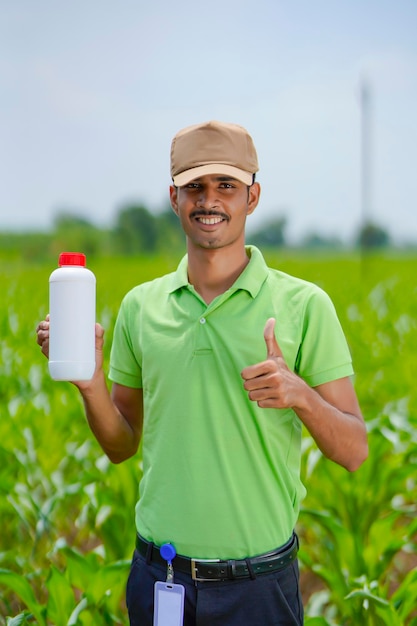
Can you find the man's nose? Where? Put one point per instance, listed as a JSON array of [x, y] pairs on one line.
[[207, 198]]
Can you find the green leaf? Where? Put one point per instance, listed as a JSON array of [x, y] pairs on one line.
[[379, 606], [365, 594], [404, 598], [81, 606], [108, 582], [18, 620], [81, 568], [61, 599], [22, 588]]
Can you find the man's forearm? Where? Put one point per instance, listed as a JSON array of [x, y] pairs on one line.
[[118, 439], [340, 434]]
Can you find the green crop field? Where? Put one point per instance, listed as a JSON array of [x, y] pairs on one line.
[[67, 514]]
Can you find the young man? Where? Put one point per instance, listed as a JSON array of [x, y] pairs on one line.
[[216, 367]]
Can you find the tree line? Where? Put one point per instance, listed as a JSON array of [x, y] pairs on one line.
[[137, 230]]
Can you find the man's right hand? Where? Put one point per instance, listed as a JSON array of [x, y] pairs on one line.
[[42, 338]]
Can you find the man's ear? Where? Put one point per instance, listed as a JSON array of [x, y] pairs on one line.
[[173, 197], [253, 197]]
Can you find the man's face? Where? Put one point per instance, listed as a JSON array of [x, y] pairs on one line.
[[213, 209]]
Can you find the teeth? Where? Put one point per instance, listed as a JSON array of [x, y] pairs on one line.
[[210, 220]]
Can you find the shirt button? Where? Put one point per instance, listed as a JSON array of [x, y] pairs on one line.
[[202, 320]]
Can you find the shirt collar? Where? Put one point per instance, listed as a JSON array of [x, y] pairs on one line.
[[180, 276], [250, 280]]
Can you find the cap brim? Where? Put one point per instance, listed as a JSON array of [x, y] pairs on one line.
[[186, 177]]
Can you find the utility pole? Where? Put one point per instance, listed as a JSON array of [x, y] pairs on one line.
[[366, 164], [366, 152]]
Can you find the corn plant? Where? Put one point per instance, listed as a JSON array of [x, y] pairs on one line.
[[68, 514], [359, 530]]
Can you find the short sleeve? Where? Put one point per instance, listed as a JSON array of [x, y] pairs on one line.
[[323, 354], [125, 357]]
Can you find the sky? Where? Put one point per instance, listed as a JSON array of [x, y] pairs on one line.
[[92, 92]]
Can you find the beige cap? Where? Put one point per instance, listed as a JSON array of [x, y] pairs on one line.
[[213, 148]]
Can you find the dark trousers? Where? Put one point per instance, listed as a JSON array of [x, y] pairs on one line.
[[271, 599]]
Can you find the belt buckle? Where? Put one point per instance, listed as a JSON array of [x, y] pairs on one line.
[[194, 569]]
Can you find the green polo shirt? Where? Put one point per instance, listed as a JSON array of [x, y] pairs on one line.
[[221, 476]]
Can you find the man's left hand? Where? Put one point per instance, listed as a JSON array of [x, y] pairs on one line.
[[271, 383]]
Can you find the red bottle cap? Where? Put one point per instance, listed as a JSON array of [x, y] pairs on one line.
[[72, 258]]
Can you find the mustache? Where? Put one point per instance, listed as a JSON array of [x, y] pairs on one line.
[[209, 213]]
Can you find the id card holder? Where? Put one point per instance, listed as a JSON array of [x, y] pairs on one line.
[[168, 597], [168, 604]]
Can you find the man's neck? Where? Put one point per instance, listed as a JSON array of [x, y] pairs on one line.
[[212, 272]]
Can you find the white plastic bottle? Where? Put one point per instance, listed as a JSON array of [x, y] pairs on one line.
[[72, 310]]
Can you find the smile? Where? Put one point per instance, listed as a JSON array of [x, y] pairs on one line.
[[210, 220]]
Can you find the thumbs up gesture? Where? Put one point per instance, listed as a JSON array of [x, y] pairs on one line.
[[271, 383]]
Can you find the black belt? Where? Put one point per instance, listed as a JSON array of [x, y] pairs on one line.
[[217, 569]]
